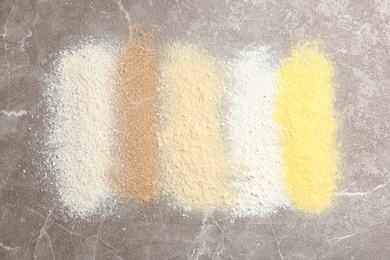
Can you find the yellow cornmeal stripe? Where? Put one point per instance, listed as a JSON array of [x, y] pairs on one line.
[[304, 113]]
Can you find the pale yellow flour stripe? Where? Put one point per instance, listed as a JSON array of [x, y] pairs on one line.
[[195, 163], [305, 115]]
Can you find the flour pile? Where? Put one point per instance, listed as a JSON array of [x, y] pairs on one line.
[[78, 137], [252, 131], [305, 112], [195, 160], [136, 175]]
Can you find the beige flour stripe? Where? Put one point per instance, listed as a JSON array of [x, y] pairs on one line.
[[194, 156]]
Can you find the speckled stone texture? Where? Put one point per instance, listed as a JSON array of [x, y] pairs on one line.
[[355, 33]]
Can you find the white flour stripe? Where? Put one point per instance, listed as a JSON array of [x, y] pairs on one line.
[[79, 134], [252, 131]]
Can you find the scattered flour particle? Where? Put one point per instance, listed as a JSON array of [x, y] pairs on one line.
[[13, 113]]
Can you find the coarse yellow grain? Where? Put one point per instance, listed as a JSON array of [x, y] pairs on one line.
[[195, 164], [305, 115]]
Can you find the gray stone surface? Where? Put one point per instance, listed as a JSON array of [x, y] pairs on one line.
[[356, 34]]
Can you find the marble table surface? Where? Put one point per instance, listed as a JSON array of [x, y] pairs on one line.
[[356, 33]]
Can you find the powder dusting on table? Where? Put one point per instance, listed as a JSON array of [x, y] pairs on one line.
[[252, 131], [79, 127], [195, 162], [305, 114], [136, 173]]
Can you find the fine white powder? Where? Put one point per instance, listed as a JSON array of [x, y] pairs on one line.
[[79, 131], [252, 132]]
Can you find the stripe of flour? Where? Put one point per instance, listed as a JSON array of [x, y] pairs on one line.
[[252, 131], [78, 139], [305, 114], [136, 175], [195, 161]]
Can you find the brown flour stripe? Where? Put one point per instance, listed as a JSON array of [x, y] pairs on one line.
[[136, 173]]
